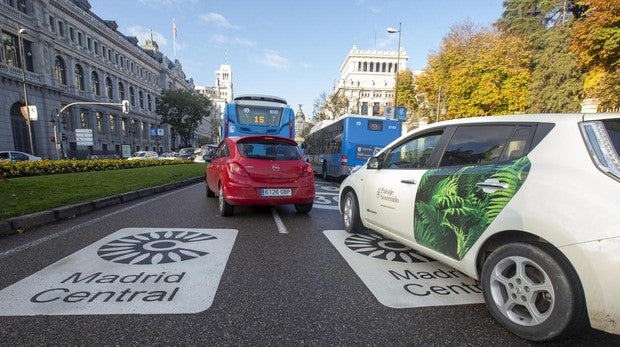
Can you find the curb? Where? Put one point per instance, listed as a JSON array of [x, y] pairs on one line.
[[20, 224]]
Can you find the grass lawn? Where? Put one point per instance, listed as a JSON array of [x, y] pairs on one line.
[[23, 195]]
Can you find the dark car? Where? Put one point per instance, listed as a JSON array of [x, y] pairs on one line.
[[259, 170]]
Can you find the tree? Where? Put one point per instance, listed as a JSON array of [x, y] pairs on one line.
[[477, 72], [330, 107], [547, 25], [596, 41], [184, 111]]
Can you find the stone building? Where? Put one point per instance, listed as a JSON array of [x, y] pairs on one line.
[[77, 62], [220, 94], [368, 78]]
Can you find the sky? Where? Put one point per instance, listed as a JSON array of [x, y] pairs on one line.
[[289, 48]]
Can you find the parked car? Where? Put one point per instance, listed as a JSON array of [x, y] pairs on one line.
[[205, 154], [168, 156], [259, 170], [144, 155], [527, 204], [17, 156], [186, 153]]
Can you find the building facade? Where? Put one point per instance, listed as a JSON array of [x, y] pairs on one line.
[[220, 94], [76, 69], [368, 78]]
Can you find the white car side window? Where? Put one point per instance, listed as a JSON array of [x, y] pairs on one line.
[[413, 154]]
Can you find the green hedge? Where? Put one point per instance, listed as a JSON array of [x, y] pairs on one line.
[[48, 167]]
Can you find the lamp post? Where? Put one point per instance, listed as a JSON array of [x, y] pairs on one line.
[[394, 31], [20, 40]]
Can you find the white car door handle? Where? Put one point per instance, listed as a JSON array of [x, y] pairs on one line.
[[408, 181], [491, 185]]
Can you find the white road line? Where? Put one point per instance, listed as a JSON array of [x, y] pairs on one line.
[[78, 226], [278, 220]]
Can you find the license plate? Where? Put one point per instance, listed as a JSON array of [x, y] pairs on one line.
[[269, 192]]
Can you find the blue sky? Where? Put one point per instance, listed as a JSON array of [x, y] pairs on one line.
[[289, 48]]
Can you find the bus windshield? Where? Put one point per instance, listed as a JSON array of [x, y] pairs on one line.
[[259, 115]]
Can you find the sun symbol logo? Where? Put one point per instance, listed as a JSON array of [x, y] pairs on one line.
[[374, 245], [160, 247]]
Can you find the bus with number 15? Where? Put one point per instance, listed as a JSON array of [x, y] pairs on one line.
[[335, 147], [258, 115]]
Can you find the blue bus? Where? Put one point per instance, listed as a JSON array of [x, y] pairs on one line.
[[258, 114], [335, 147]]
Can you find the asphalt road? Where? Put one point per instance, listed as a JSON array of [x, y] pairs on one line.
[[263, 277]]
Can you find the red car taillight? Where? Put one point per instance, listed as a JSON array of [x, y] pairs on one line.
[[344, 160], [306, 171], [235, 168]]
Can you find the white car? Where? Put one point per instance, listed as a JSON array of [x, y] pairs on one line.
[[527, 204], [144, 155], [17, 156]]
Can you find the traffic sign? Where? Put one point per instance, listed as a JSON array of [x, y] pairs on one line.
[[401, 113], [84, 137]]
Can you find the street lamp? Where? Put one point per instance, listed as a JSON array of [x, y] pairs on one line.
[[394, 31], [20, 40]]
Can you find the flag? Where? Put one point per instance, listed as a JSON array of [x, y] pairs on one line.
[[174, 38]]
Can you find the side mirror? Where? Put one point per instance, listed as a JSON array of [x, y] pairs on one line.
[[373, 163], [207, 157]]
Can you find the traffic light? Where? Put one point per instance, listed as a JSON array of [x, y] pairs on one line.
[[64, 137], [53, 138], [125, 106]]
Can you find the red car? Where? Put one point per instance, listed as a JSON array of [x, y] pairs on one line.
[[259, 170]]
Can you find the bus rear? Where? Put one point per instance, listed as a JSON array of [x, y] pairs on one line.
[[336, 147], [364, 136], [258, 114]]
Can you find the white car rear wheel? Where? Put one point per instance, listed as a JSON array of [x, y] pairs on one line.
[[531, 289]]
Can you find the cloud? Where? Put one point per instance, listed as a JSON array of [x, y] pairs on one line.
[[218, 19], [273, 59], [238, 41]]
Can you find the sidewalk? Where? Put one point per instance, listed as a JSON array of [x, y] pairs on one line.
[[20, 224]]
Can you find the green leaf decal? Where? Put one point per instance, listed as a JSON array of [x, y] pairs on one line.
[[451, 212]]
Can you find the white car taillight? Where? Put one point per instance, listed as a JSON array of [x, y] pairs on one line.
[[601, 147]]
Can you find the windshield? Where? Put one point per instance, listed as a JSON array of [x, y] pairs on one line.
[[269, 150], [259, 115]]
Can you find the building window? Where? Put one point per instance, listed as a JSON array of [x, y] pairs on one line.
[[84, 118], [89, 43], [100, 129], [61, 29], [149, 102], [9, 49], [141, 99], [78, 74], [113, 130], [96, 83], [72, 34], [52, 26], [121, 91], [60, 71], [108, 88], [132, 96]]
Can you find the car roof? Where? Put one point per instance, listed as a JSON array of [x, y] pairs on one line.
[[534, 118], [249, 138]]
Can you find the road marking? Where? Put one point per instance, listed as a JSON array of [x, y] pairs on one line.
[[400, 277], [278, 220], [90, 222], [131, 271]]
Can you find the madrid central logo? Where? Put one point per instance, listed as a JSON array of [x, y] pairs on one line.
[[159, 247], [376, 246]]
